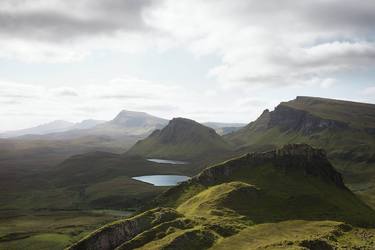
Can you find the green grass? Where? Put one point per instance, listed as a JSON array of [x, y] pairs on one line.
[[351, 149], [49, 229], [294, 234], [265, 201], [358, 114], [181, 139]]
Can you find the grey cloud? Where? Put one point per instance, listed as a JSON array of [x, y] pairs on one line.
[[324, 14], [95, 17]]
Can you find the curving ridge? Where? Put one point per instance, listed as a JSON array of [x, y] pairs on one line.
[[290, 158], [293, 183]]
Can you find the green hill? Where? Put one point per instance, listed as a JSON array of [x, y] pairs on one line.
[[290, 198], [181, 139], [346, 130]]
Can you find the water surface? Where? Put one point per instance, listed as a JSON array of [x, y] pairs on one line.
[[162, 180], [163, 161]]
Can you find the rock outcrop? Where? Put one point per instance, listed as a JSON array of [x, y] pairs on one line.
[[288, 118], [115, 234], [292, 157]]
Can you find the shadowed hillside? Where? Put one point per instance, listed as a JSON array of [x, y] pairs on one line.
[[344, 129], [182, 139], [295, 186]]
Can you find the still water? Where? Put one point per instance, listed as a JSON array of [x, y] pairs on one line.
[[162, 180], [162, 161]]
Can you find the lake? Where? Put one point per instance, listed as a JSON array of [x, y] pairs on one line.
[[162, 180], [163, 161]]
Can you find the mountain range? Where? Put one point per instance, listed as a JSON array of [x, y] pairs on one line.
[[125, 123], [344, 129], [57, 126], [301, 174]]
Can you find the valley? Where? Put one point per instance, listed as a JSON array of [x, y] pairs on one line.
[[53, 189]]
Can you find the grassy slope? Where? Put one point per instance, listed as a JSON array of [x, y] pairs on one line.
[[252, 194], [351, 150], [358, 114], [95, 180], [48, 230], [181, 139], [256, 205], [295, 234]]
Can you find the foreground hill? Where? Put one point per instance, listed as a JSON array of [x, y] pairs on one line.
[[290, 198], [346, 130], [181, 139]]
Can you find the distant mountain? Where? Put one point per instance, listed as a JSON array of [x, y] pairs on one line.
[[126, 123], [131, 123], [224, 128], [181, 139], [51, 127], [289, 198], [87, 124], [346, 130], [58, 126]]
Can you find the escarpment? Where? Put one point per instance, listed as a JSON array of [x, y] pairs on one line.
[[292, 119], [290, 158]]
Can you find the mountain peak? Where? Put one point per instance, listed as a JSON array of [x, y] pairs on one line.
[[131, 113], [138, 119], [182, 138]]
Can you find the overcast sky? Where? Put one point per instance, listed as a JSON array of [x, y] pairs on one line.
[[212, 60]]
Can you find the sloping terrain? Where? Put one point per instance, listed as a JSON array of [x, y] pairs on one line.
[[224, 128], [344, 129], [181, 139], [290, 198], [28, 175]]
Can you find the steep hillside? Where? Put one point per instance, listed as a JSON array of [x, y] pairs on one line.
[[182, 139], [240, 202], [344, 129]]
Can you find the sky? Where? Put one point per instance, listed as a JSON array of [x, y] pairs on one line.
[[212, 60]]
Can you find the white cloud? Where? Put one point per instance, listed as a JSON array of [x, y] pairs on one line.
[[272, 42], [369, 91], [260, 45]]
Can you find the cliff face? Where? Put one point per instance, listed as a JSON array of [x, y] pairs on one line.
[[291, 119], [290, 158], [117, 233]]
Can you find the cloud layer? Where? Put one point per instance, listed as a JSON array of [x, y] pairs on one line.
[[260, 45]]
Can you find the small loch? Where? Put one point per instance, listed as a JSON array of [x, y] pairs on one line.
[[164, 161], [162, 180]]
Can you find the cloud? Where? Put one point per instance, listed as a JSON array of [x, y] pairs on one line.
[[369, 91], [56, 31], [65, 92], [70, 19], [268, 42], [273, 42]]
